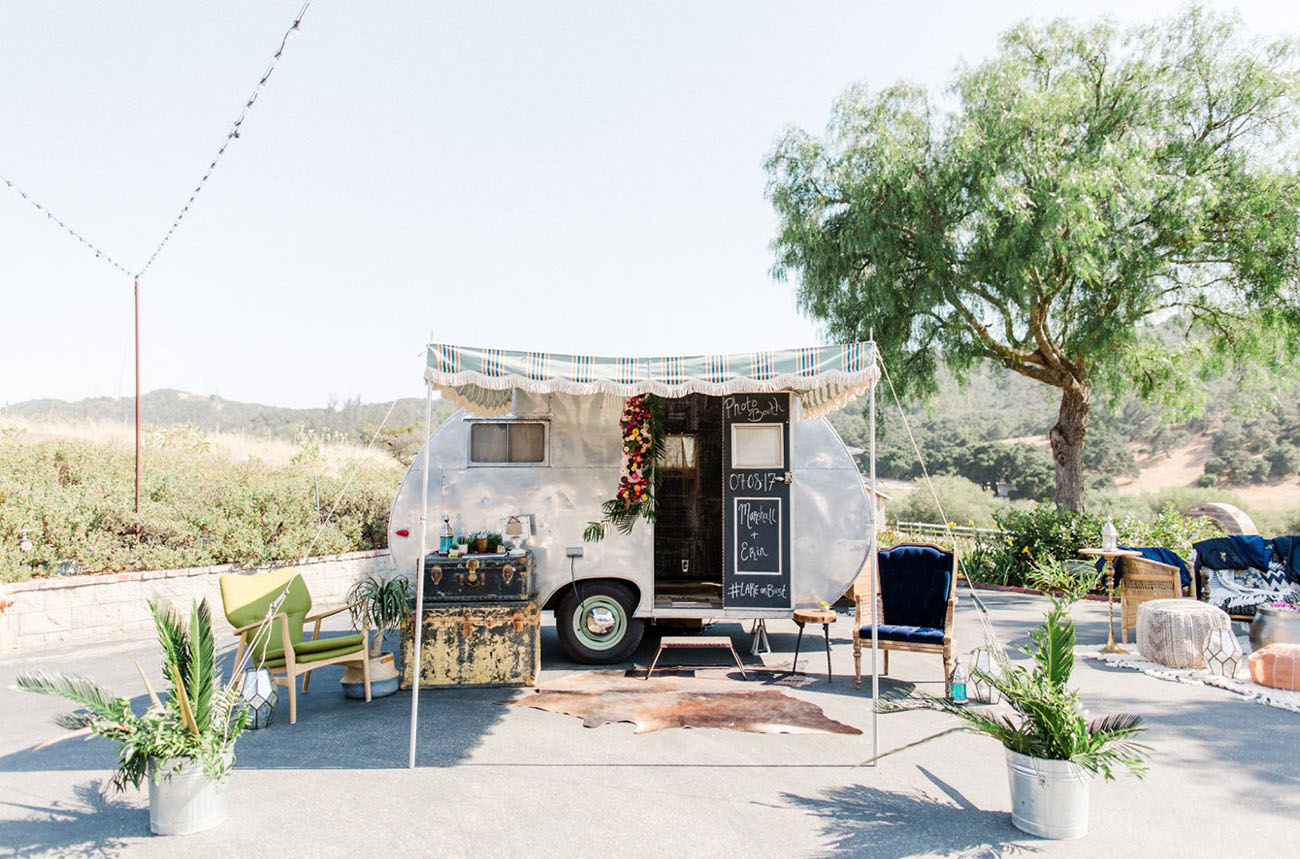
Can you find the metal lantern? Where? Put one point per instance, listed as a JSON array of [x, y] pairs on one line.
[[1109, 535], [260, 696], [980, 690], [1222, 653]]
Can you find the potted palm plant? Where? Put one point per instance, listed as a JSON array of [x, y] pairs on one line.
[[384, 602], [1053, 750], [184, 744]]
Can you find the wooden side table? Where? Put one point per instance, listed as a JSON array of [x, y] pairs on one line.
[[1110, 555], [814, 615]]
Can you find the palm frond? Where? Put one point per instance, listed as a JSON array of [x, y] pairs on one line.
[[172, 637], [1115, 723], [957, 730], [1054, 640], [201, 677], [74, 687]]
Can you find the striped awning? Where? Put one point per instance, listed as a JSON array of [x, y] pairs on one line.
[[481, 380]]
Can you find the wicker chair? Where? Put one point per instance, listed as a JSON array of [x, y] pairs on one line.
[[918, 592], [1142, 580]]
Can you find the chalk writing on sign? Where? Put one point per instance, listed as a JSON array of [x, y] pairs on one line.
[[757, 523], [753, 409], [754, 482], [741, 590]]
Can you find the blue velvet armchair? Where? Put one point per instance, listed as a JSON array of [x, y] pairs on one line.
[[918, 592]]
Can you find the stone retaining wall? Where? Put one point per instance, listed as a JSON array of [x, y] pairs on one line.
[[64, 610]]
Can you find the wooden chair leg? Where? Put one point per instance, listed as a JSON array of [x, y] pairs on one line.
[[857, 663], [794, 666], [293, 701], [306, 677], [947, 674], [885, 653], [826, 633], [365, 672]]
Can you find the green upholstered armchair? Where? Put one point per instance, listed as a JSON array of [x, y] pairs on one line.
[[287, 652]]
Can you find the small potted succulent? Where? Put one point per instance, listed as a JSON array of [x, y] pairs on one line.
[[384, 602], [481, 540], [183, 743], [1052, 748]]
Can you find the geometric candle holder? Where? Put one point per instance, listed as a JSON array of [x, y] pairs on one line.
[[260, 696], [979, 689], [1222, 653]]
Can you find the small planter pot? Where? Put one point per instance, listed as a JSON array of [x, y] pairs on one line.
[[186, 801], [1048, 798], [481, 545], [383, 678]]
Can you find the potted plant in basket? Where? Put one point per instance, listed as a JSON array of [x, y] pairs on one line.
[[384, 602], [184, 744], [1052, 748]]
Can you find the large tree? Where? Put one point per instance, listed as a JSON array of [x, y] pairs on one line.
[[1088, 189]]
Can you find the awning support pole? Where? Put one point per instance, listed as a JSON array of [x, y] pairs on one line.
[[875, 530], [417, 619]]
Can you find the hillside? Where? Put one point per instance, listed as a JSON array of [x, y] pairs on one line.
[[162, 408]]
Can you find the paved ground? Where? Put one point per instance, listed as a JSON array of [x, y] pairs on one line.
[[505, 781]]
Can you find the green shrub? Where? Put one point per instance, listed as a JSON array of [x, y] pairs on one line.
[[76, 500], [1043, 534]]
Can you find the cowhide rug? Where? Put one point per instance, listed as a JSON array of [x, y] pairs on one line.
[[601, 697]]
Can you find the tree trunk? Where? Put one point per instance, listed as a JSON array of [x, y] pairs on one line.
[[1067, 445]]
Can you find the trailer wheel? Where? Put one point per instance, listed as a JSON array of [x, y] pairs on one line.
[[595, 623]]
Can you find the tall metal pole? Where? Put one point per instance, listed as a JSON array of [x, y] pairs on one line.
[[137, 405], [417, 621], [875, 576]]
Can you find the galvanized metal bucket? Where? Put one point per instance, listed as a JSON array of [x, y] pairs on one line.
[[185, 801], [1048, 798]]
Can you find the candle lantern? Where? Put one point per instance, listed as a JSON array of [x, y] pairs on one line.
[[1109, 536], [260, 695], [983, 665], [1222, 653]]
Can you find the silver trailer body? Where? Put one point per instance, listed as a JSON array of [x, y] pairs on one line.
[[830, 519]]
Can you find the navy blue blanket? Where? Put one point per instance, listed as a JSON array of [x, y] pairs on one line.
[[1152, 553], [1234, 553]]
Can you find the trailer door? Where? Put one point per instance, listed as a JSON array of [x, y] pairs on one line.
[[756, 501]]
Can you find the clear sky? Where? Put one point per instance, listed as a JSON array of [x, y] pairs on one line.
[[581, 177]]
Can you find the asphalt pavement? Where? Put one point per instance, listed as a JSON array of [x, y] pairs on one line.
[[493, 780]]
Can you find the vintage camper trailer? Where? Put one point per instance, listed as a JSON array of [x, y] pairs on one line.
[[760, 508]]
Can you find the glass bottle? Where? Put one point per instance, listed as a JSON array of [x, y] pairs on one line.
[[444, 536], [957, 684]]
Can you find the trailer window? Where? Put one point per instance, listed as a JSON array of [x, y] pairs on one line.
[[757, 446], [679, 453], [507, 442]]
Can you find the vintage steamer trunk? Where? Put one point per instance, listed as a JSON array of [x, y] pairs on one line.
[[481, 644], [477, 578]]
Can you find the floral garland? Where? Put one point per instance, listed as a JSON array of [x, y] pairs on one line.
[[641, 424]]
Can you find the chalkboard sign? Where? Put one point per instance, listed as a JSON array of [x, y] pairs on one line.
[[756, 496], [758, 535]]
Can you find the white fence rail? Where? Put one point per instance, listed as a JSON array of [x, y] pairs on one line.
[[938, 529]]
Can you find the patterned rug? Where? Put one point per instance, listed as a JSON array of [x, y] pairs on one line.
[[1240, 685]]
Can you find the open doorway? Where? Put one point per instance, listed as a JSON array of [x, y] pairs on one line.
[[688, 505]]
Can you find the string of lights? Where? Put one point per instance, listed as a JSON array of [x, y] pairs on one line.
[[231, 135], [69, 230]]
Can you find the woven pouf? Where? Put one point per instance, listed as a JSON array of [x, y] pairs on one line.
[[1277, 665], [1173, 632]]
